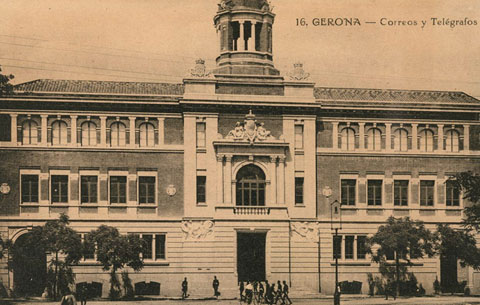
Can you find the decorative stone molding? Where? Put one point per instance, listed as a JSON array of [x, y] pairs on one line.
[[200, 70], [198, 230], [250, 130], [298, 74], [307, 230]]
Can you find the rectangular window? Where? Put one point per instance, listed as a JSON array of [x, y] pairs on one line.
[[118, 189], [348, 191], [89, 189], [29, 185], [361, 248], [89, 248], [299, 181], [59, 187], [201, 189], [160, 246], [400, 192], [453, 194], [389, 254], [201, 141], [427, 191], [349, 240], [375, 192], [148, 243], [146, 190], [337, 247], [299, 136]]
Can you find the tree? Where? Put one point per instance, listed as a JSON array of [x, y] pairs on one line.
[[404, 239], [5, 86], [469, 183], [65, 245], [115, 251]]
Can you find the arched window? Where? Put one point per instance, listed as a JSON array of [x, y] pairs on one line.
[[147, 135], [453, 140], [59, 133], [348, 139], [118, 134], [400, 141], [250, 186], [29, 132], [374, 136], [426, 140], [89, 134]]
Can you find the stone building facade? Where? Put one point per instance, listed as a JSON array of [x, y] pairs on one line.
[[224, 173]]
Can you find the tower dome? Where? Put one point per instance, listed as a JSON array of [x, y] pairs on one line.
[[245, 32]]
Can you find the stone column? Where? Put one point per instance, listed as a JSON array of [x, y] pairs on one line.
[[44, 128], [220, 181], [466, 138], [273, 179], [335, 135], [132, 131], [103, 131], [388, 137], [253, 37], [440, 137], [241, 39], [73, 130], [415, 137], [361, 136], [161, 131], [13, 122], [281, 180], [228, 179]]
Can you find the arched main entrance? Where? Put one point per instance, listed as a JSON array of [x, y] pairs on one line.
[[29, 264], [250, 188]]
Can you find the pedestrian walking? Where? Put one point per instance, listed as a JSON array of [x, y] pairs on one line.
[[242, 288], [68, 298], [279, 293], [249, 292], [271, 295], [261, 291], [215, 285], [185, 289], [82, 294], [285, 293]]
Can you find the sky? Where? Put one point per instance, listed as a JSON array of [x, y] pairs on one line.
[[159, 41]]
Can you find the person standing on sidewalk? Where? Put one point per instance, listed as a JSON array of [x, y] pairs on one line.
[[215, 285], [285, 293], [185, 289]]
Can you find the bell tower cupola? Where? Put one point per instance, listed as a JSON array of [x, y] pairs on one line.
[[245, 37]]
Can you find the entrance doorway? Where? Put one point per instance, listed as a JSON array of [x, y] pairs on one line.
[[448, 273], [29, 264], [251, 256]]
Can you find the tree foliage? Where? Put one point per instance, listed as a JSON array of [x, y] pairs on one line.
[[5, 86], [469, 183], [458, 243], [406, 240]]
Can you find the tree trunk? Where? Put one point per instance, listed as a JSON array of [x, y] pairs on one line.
[[397, 267], [56, 277]]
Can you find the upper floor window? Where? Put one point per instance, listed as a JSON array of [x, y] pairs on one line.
[[374, 136], [59, 133], [453, 194], [427, 191], [299, 136], [250, 186], [155, 248], [146, 190], [299, 181], [400, 141], [59, 191], [29, 132], [89, 134], [118, 134], [426, 140], [29, 187], [89, 189], [452, 141], [201, 134], [147, 135], [374, 192], [347, 139], [201, 189], [400, 192], [348, 191], [118, 189]]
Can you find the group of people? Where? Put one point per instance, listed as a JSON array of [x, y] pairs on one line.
[[267, 294]]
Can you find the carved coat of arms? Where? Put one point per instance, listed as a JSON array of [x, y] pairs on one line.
[[250, 130]]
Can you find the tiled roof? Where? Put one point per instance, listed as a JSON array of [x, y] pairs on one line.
[[100, 87], [384, 95]]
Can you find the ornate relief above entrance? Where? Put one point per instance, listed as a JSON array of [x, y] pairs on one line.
[[250, 130]]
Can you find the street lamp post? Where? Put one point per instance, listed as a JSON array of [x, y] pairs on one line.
[[336, 224]]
